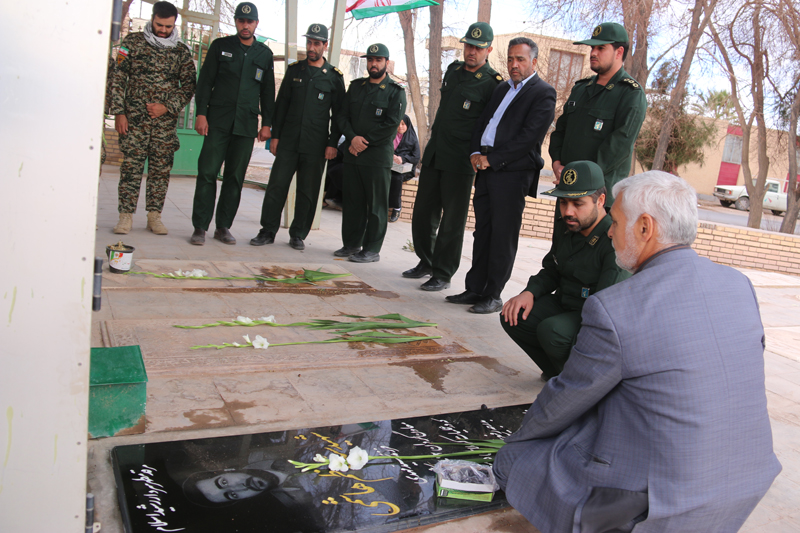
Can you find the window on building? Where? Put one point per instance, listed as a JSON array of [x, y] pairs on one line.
[[448, 56], [358, 67], [732, 153], [564, 69]]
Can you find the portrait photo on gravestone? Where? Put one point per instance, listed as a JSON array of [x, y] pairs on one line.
[[287, 481]]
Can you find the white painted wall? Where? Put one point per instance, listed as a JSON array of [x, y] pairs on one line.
[[52, 85]]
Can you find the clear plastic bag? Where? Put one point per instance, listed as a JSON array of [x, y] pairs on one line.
[[462, 471]]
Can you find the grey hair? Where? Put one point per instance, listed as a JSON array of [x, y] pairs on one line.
[[524, 40], [667, 198]]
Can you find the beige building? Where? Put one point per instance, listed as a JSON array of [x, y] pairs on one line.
[[722, 165]]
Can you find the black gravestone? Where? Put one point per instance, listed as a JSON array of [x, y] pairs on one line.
[[246, 484]]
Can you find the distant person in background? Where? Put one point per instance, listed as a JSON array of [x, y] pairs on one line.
[[153, 82], [406, 150]]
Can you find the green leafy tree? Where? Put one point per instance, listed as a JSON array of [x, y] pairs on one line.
[[690, 134], [716, 104]]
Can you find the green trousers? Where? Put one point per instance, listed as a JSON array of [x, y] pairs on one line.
[[442, 204], [234, 150], [548, 335], [309, 177], [365, 209]]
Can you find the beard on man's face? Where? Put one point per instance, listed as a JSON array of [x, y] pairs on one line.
[[377, 74]]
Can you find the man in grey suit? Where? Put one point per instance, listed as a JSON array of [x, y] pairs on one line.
[[659, 419]]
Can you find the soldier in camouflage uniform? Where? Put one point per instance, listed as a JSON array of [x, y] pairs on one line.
[[154, 80]]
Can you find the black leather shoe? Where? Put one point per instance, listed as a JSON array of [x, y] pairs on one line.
[[223, 235], [435, 284], [198, 237], [365, 257], [487, 305], [395, 215], [263, 237], [466, 297], [346, 251], [419, 271], [297, 243]]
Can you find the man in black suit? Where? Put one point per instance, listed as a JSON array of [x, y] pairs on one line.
[[506, 153]]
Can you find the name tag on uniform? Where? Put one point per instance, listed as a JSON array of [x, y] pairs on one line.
[[259, 74], [378, 112], [227, 54], [321, 96], [584, 292], [598, 125], [466, 105]]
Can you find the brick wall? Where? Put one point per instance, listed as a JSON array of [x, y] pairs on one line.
[[113, 155], [727, 245]]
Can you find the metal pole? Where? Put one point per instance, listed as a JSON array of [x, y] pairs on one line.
[[335, 48], [97, 287], [89, 513]]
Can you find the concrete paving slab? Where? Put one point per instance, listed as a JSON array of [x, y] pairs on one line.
[[485, 368]]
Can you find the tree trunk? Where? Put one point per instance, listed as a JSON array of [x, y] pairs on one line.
[[636, 19], [407, 23], [434, 70], [746, 124], [484, 11], [757, 70], [792, 193], [700, 17]]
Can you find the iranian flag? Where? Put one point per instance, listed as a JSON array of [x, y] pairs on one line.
[[361, 9]]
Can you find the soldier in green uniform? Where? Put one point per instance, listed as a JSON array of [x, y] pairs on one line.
[[153, 82], [445, 181], [603, 114], [311, 93], [236, 75], [545, 318], [373, 108]]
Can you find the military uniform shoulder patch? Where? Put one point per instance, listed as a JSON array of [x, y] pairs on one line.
[[293, 63], [593, 240], [587, 79], [337, 71], [632, 82], [498, 77]]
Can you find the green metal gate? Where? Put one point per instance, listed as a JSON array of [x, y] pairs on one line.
[[197, 37]]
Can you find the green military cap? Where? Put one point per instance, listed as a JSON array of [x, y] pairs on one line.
[[318, 32], [479, 34], [246, 10], [606, 33], [377, 50], [579, 178]]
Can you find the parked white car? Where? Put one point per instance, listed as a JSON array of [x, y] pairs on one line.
[[774, 200]]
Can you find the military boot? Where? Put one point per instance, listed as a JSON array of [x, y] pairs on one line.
[[154, 223], [124, 224]]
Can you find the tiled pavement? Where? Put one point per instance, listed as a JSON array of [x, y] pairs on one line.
[[197, 404]]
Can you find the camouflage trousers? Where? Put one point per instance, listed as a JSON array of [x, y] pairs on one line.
[[155, 145]]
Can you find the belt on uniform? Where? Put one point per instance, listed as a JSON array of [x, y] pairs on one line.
[[486, 150]]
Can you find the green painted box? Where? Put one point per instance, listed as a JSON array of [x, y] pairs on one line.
[[117, 391]]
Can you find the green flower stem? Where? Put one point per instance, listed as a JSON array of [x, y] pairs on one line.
[[308, 276], [247, 324], [391, 339], [337, 326]]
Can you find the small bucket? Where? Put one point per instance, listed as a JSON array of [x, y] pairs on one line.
[[119, 261]]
